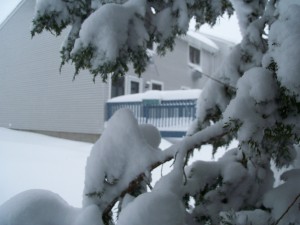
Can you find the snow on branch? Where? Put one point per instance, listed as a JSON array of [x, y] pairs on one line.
[[106, 36], [111, 195]]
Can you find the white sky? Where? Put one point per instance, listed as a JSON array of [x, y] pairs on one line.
[[225, 28], [6, 6]]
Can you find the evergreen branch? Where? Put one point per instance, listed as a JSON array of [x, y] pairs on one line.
[[132, 185], [205, 136], [147, 181]]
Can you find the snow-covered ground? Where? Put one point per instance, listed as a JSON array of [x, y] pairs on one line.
[[34, 161]]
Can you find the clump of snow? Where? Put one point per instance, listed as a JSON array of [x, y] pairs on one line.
[[161, 206], [246, 12], [153, 208], [107, 40], [151, 134], [162, 21], [234, 184], [285, 194], [107, 180], [214, 96], [47, 7], [40, 207], [284, 6], [283, 34], [183, 17], [89, 215], [255, 217], [256, 92]]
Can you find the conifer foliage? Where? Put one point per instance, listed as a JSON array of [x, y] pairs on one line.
[[258, 104], [106, 35]]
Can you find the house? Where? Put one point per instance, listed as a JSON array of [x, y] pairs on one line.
[[35, 96], [171, 112]]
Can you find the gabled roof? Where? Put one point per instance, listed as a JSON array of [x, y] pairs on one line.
[[198, 40]]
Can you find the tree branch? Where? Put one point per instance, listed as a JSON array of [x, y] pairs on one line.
[[287, 210], [207, 135]]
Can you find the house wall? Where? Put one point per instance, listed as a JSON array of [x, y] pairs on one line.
[[173, 69], [170, 69], [33, 94], [212, 62]]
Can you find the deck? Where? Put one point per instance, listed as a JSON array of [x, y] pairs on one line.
[[172, 117]]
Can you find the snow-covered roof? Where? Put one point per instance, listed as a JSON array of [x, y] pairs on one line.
[[226, 29], [198, 40], [161, 95]]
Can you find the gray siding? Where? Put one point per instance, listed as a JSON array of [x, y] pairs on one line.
[[173, 70], [211, 63], [34, 96]]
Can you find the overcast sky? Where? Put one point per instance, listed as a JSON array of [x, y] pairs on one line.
[[6, 6], [225, 28]]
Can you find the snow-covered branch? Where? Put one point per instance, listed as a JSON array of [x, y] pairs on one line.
[[108, 185], [257, 102], [123, 31], [287, 210]]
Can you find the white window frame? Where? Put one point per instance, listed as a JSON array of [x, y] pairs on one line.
[[156, 82], [110, 84], [128, 79], [127, 83], [194, 65]]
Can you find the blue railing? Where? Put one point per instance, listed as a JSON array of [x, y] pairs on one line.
[[171, 117]]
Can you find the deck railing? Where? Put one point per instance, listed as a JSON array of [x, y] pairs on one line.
[[167, 115]]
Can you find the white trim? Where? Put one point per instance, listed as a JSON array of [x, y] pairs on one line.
[[193, 65], [151, 82], [200, 41], [109, 86], [128, 79], [127, 83], [200, 54]]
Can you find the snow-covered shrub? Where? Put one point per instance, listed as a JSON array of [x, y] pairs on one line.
[[257, 103]]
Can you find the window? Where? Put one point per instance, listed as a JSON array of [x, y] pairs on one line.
[[194, 54], [125, 85], [134, 87], [117, 87], [133, 84], [156, 85]]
